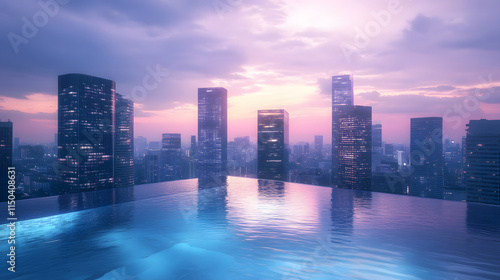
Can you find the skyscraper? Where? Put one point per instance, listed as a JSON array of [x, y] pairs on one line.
[[351, 137], [6, 133], [342, 95], [426, 157], [86, 133], [124, 142], [170, 162], [483, 161], [354, 147], [212, 133], [318, 145], [273, 150]]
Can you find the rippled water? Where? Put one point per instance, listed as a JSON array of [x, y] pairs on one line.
[[254, 230]]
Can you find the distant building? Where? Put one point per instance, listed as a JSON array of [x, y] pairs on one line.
[[426, 157], [377, 150], [389, 150], [273, 150], [85, 131], [140, 146], [6, 133], [240, 155], [192, 150], [154, 145], [15, 154], [354, 133], [212, 134], [124, 142], [192, 160], [31, 152], [152, 166], [483, 161], [318, 145], [170, 162]]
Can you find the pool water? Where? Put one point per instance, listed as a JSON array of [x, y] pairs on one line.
[[252, 229]]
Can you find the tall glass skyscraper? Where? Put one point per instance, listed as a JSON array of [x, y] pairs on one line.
[[342, 89], [355, 147], [85, 133], [483, 161], [273, 146], [124, 142], [426, 157], [6, 134], [212, 134], [342, 95]]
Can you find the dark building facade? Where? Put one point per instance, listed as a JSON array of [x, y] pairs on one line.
[[85, 133], [273, 145], [354, 147], [342, 95], [377, 150], [170, 165], [124, 142], [6, 136], [192, 150], [483, 161], [426, 157], [212, 133]]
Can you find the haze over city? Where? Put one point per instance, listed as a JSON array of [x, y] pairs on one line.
[[409, 59]]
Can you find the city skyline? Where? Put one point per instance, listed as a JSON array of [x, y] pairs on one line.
[[272, 55]]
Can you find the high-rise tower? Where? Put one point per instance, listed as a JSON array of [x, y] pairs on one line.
[[273, 150], [85, 133], [124, 142], [342, 95], [483, 161], [212, 133]]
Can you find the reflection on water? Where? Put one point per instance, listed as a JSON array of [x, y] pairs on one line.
[[271, 189], [87, 200], [238, 228]]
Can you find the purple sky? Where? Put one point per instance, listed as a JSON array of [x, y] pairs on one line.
[[408, 58]]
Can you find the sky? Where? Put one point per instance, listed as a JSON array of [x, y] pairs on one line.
[[408, 59]]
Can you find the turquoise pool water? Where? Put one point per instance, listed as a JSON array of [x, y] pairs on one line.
[[252, 229]]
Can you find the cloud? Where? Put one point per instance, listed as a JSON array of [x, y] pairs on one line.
[[33, 104], [437, 88]]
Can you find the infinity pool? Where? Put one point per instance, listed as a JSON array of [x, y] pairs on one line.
[[252, 229]]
